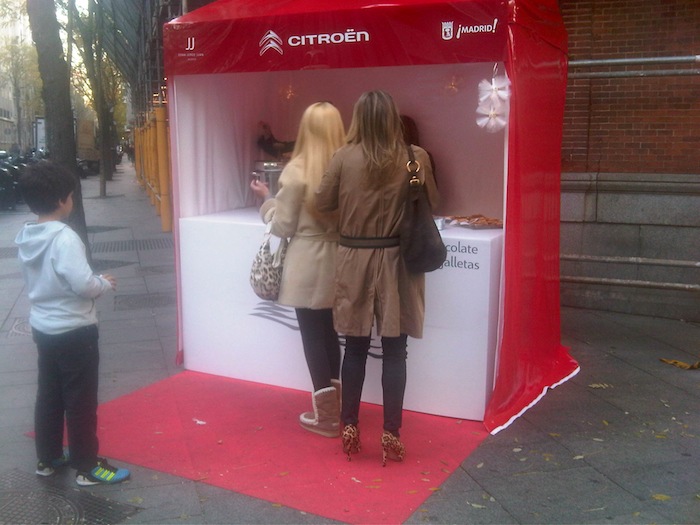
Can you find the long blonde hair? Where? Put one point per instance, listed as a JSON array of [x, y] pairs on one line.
[[376, 127], [321, 133]]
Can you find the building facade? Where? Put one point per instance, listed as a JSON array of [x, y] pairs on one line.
[[630, 231]]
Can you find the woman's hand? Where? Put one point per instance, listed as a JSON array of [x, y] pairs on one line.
[[260, 189]]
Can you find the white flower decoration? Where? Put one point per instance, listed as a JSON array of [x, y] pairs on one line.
[[497, 89], [494, 103]]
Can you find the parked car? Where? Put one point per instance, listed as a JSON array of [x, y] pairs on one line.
[[88, 167]]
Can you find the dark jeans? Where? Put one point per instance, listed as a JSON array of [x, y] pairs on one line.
[[68, 377], [321, 346], [393, 379]]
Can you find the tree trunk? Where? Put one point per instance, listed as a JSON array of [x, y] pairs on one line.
[[92, 33], [17, 101], [55, 75]]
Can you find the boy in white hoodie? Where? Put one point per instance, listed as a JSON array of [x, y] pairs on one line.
[[62, 290]]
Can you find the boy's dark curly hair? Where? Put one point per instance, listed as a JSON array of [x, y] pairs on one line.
[[44, 184]]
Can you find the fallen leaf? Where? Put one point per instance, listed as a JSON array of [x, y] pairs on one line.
[[578, 457], [412, 491], [480, 465], [681, 364], [136, 500], [477, 506], [660, 497], [600, 385], [283, 473], [434, 489], [517, 450]]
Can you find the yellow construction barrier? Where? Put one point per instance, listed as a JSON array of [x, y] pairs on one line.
[[151, 157], [138, 156], [161, 118]]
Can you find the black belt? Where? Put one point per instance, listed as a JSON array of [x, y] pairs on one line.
[[368, 242]]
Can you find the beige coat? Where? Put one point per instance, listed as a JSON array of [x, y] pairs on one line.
[[307, 275], [373, 284]]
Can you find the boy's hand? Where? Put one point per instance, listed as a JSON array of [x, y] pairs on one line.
[[112, 280]]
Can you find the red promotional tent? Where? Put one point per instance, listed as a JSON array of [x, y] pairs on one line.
[[250, 38]]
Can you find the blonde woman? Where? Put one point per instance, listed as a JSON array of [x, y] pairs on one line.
[[307, 278], [367, 183]]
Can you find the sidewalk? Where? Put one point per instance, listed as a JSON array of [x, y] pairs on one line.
[[619, 443]]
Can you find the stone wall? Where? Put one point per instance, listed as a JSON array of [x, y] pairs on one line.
[[631, 243]]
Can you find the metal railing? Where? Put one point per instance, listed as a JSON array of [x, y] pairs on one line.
[[630, 282], [623, 62]]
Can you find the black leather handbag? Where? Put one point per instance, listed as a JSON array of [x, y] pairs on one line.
[[421, 244]]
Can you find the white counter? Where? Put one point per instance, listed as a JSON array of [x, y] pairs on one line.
[[228, 331]]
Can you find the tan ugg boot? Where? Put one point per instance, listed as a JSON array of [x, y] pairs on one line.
[[325, 418], [335, 383]]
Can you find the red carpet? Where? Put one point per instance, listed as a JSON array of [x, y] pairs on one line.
[[244, 437]]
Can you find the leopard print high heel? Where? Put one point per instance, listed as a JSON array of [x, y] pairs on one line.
[[351, 440], [392, 448]]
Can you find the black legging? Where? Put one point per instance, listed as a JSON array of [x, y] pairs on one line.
[[321, 346], [393, 379]]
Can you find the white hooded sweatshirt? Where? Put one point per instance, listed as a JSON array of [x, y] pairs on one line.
[[61, 285]]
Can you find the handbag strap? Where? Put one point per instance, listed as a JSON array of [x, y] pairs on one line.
[[412, 167]]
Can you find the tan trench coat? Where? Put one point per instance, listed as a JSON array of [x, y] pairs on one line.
[[309, 267], [373, 284]]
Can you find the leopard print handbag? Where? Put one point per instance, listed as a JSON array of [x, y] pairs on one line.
[[266, 273]]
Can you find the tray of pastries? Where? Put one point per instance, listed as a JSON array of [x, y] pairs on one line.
[[475, 222]]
